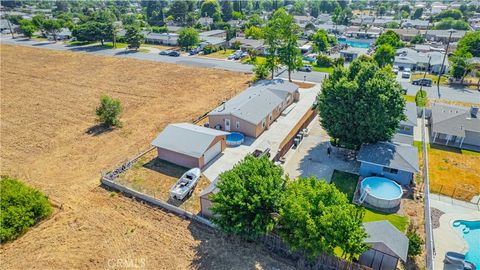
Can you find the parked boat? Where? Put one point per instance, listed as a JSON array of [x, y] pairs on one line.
[[185, 185]]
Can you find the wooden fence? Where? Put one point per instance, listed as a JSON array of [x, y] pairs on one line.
[[288, 141]]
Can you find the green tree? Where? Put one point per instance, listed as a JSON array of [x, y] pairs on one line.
[[320, 41], [188, 37], [418, 39], [209, 7], [449, 23], [405, 8], [227, 9], [248, 196], [308, 210], [361, 104], [392, 25], [261, 71], [20, 208], [254, 32], [421, 98], [178, 10], [460, 67], [389, 37], [109, 111], [288, 51], [52, 27], [27, 28], [93, 31], [470, 43], [454, 14], [134, 37], [417, 14], [384, 55]]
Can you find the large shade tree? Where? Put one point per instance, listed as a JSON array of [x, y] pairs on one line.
[[391, 38], [384, 55], [248, 196], [361, 104], [316, 217]]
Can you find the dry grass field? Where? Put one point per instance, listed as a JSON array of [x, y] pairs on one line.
[[48, 100]]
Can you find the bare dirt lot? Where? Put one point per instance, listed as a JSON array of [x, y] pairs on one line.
[[48, 100]]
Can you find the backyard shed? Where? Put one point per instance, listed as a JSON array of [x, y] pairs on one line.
[[388, 246], [395, 161], [189, 145]]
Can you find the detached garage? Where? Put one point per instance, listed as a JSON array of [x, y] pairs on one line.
[[189, 145]]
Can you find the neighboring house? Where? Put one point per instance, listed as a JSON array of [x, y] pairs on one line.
[[455, 126], [255, 109], [5, 26], [332, 28], [64, 34], [205, 21], [437, 7], [443, 35], [395, 161], [352, 52], [324, 18], [410, 58], [425, 48], [189, 145], [174, 29], [169, 39], [381, 22], [302, 20], [247, 44], [216, 41], [405, 129], [417, 24], [213, 33], [363, 33], [387, 246], [408, 34], [367, 20]]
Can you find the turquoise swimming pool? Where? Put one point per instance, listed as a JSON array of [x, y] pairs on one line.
[[354, 43], [470, 231]]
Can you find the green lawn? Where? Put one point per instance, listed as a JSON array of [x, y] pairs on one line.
[[258, 60], [328, 70], [345, 182], [79, 43], [443, 79], [109, 45], [400, 222], [409, 98], [220, 54]]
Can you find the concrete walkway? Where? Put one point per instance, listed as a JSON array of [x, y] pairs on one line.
[[310, 157], [271, 138], [445, 237]]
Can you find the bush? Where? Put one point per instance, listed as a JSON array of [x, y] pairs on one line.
[[109, 111], [339, 61], [261, 71], [210, 49], [421, 98], [159, 29], [415, 244], [323, 61], [236, 45], [20, 208]]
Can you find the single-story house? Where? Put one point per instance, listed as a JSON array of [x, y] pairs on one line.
[[437, 7], [408, 34], [443, 35], [417, 24], [302, 20], [332, 28], [363, 20], [388, 246], [323, 18], [205, 21], [64, 34], [455, 126], [189, 145], [358, 32], [247, 44], [429, 48], [395, 161], [352, 52], [383, 21], [5, 26], [253, 111], [170, 39], [410, 58], [213, 33], [405, 129], [174, 28], [216, 41]]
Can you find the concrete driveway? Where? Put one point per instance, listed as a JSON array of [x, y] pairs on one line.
[[311, 159], [271, 138]]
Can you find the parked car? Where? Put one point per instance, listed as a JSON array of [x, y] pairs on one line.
[[306, 68], [194, 51], [174, 53], [406, 74], [164, 52], [423, 82], [395, 70]]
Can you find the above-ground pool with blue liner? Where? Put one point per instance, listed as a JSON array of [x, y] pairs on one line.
[[382, 188], [235, 139], [470, 231], [354, 43]]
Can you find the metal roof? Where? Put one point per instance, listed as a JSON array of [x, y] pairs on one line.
[[383, 232], [392, 155], [410, 112], [258, 101], [454, 120], [186, 138], [211, 33]]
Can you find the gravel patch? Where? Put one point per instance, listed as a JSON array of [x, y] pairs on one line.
[[436, 214]]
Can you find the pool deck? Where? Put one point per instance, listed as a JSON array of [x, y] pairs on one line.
[[446, 238]]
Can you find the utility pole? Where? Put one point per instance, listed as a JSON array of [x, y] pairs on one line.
[[425, 73], [10, 27], [451, 31]]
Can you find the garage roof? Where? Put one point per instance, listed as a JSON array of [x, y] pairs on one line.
[[187, 139]]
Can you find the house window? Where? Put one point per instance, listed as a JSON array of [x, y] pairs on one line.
[[390, 170], [237, 125]]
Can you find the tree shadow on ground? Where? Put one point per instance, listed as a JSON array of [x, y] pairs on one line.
[[93, 48], [42, 44], [126, 52], [215, 250], [98, 129]]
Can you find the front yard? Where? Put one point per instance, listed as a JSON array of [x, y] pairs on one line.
[[453, 172], [443, 78], [347, 182], [222, 54], [155, 177]]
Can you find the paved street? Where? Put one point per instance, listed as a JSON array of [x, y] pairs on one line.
[[315, 77]]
